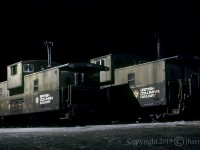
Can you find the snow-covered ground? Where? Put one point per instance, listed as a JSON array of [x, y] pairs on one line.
[[101, 127], [169, 135]]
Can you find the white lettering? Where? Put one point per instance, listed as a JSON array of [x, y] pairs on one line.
[[45, 99], [148, 92]]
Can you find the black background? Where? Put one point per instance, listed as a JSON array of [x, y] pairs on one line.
[[81, 30]]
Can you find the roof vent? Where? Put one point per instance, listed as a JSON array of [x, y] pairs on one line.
[[48, 45], [158, 46]]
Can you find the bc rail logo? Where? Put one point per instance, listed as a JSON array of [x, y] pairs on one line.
[[44, 99], [148, 92], [136, 93]]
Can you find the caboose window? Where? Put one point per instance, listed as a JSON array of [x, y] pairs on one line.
[[36, 85], [14, 70], [194, 80], [101, 62], [0, 93], [131, 79], [28, 68]]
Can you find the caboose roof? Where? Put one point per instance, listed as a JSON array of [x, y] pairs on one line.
[[83, 66]]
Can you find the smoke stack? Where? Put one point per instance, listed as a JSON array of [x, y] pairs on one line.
[[158, 46], [48, 45]]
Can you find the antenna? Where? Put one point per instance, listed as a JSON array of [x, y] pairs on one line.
[[48, 45], [158, 46]]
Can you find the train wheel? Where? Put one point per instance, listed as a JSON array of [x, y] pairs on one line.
[[158, 117]]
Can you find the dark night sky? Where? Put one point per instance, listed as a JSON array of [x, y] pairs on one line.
[[82, 30]]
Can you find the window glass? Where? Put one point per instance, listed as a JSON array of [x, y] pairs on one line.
[[14, 70], [0, 93], [101, 62], [36, 85], [28, 68], [131, 79]]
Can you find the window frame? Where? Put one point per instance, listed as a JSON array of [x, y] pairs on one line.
[[13, 70], [28, 70], [35, 85], [131, 79]]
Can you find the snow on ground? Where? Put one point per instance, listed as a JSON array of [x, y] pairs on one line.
[[100, 127]]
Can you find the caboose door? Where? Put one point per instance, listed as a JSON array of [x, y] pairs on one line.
[[173, 98]]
